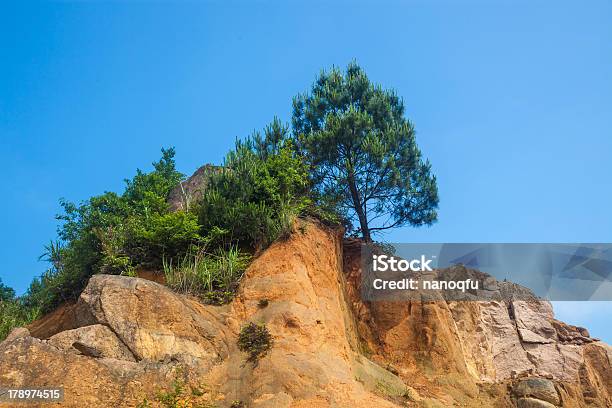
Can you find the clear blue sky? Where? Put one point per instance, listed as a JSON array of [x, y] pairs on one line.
[[512, 101]]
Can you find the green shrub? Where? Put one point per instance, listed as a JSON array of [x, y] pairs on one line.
[[260, 190], [13, 313], [115, 234], [180, 394], [160, 236], [255, 340], [249, 203], [6, 293], [212, 276]]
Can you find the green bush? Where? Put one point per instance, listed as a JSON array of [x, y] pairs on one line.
[[13, 313], [160, 236], [255, 340], [212, 276], [249, 203], [6, 293], [260, 190], [113, 233]]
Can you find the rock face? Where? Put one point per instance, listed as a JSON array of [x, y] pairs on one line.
[[152, 321], [538, 388], [126, 338], [95, 340], [190, 190], [483, 344]]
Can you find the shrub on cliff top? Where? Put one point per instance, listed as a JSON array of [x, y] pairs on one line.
[[262, 187], [113, 233], [13, 313]]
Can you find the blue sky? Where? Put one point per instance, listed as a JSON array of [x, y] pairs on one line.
[[512, 102]]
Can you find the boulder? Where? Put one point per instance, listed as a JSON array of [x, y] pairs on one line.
[[533, 403], [153, 322], [97, 337], [188, 192], [540, 388], [17, 333], [29, 362]]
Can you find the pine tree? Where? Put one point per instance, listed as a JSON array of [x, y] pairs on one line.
[[363, 152]]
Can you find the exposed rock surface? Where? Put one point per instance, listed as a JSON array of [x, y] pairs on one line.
[[475, 345], [533, 403], [135, 332], [17, 333], [125, 338], [96, 340], [539, 388], [153, 322], [190, 190]]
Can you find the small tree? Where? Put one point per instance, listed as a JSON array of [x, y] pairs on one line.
[[6, 292], [363, 153]]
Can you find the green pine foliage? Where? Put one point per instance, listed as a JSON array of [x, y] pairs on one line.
[[363, 154], [262, 187]]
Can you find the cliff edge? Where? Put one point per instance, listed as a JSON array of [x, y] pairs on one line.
[[127, 337]]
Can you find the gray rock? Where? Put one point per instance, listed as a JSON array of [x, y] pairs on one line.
[[188, 192], [533, 321], [539, 388], [534, 403], [87, 350]]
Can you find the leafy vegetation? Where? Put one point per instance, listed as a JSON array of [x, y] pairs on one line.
[[115, 234], [262, 187], [179, 395], [255, 340], [13, 313], [213, 276], [6, 293]]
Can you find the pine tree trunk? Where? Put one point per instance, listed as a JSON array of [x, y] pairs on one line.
[[363, 222]]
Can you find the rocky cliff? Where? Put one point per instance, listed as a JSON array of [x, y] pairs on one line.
[[126, 338]]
